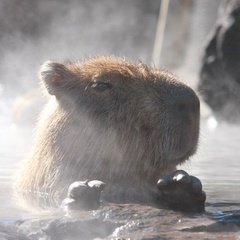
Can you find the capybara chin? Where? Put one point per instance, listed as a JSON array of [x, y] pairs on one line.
[[111, 120]]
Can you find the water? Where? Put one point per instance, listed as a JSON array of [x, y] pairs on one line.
[[14, 146], [217, 164]]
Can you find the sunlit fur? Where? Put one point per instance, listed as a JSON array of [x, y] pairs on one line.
[[126, 136]]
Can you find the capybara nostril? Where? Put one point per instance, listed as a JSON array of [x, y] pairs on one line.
[[185, 102]]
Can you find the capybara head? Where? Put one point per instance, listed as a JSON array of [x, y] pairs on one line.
[[110, 120]]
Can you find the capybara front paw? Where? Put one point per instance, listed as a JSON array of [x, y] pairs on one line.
[[182, 192], [83, 195]]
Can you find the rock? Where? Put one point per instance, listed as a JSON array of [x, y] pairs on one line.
[[220, 74]]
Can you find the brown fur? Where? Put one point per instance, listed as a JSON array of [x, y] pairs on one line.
[[127, 133]]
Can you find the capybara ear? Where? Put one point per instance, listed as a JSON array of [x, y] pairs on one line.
[[54, 75]]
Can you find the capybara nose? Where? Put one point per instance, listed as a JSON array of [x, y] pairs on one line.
[[184, 102]]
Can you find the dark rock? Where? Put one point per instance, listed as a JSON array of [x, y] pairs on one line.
[[129, 221], [64, 228], [220, 74], [89, 229]]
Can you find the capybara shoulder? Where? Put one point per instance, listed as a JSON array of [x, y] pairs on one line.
[[112, 120]]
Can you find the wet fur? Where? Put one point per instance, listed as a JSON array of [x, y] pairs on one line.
[[126, 136]]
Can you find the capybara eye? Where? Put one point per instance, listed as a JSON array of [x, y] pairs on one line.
[[101, 86]]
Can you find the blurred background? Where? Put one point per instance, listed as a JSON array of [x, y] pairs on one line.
[[32, 32], [170, 34]]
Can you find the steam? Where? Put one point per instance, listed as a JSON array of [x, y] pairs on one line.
[[32, 32]]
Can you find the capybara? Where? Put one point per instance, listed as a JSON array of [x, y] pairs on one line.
[[111, 120]]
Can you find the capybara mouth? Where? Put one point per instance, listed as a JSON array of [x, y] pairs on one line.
[[181, 158], [189, 150]]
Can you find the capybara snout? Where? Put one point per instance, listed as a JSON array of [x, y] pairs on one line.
[[185, 103]]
